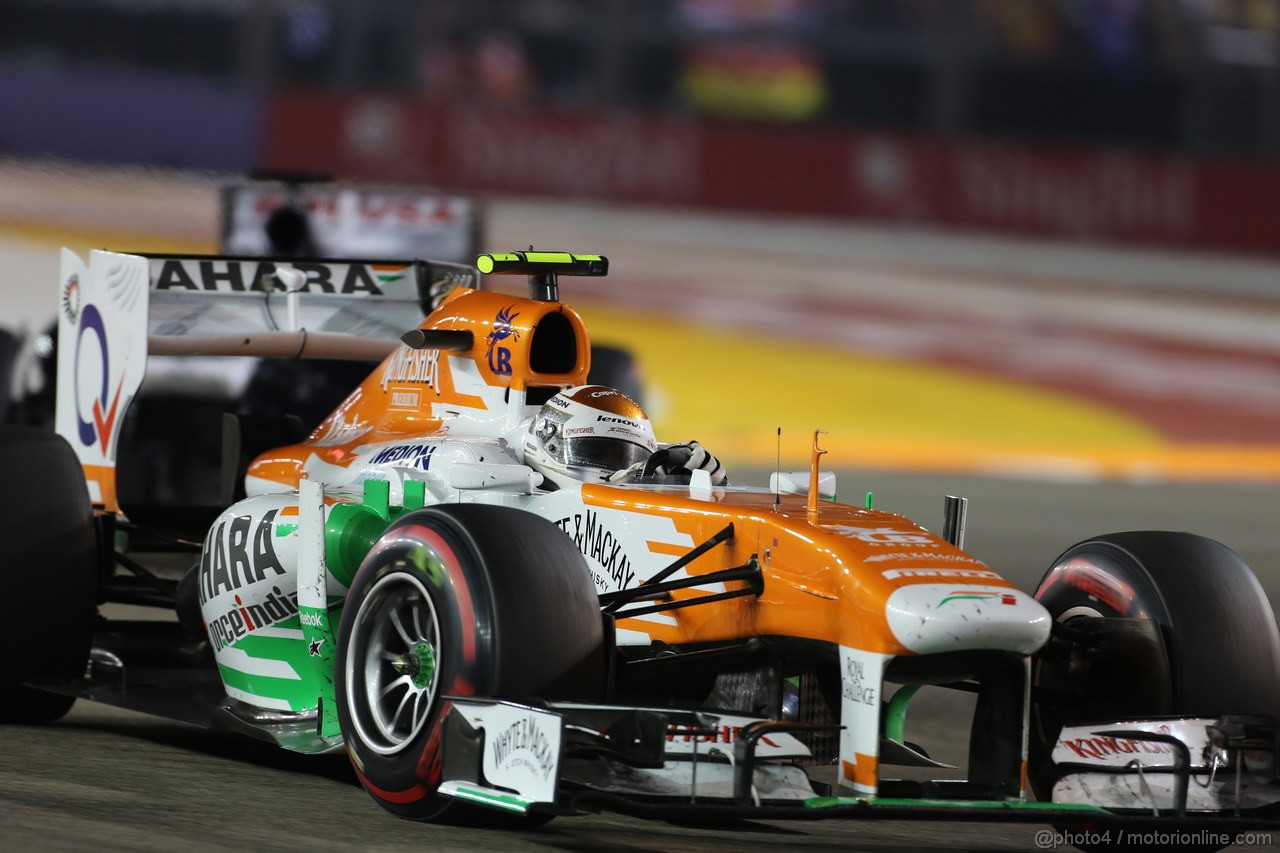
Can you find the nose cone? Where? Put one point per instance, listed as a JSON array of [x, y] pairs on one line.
[[930, 618]]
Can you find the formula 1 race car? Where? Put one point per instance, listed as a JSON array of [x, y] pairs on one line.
[[486, 645]]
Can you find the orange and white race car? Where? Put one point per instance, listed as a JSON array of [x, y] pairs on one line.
[[403, 585]]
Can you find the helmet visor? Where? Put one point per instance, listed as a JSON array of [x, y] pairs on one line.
[[613, 454]]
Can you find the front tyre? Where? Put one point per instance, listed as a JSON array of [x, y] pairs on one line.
[[1198, 638], [464, 599]]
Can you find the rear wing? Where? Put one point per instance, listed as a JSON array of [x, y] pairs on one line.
[[119, 309]]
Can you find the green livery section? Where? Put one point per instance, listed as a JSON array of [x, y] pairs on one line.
[[289, 667]]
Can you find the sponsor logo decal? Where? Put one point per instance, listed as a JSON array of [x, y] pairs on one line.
[[1096, 748], [583, 431], [610, 419], [891, 574], [594, 541], [313, 648], [404, 399], [723, 734], [71, 298], [503, 328], [413, 455], [443, 286], [105, 407], [229, 276], [234, 556], [413, 365], [923, 555], [559, 402], [243, 619], [857, 687], [388, 273], [338, 431], [883, 535], [524, 744], [411, 211], [969, 595]]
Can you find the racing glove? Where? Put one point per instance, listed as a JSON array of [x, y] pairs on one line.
[[690, 456]]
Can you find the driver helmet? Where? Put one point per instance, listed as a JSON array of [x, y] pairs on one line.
[[587, 433]]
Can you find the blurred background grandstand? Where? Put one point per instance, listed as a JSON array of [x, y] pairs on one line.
[[1039, 234], [1154, 120], [1195, 75]]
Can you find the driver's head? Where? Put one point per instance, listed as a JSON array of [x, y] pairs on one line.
[[585, 434]]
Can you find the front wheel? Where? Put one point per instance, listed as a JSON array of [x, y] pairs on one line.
[[1195, 636], [464, 599]]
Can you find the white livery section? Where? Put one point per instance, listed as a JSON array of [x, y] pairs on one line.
[[861, 683], [102, 352], [929, 618], [521, 747], [1150, 782], [705, 780], [522, 758]]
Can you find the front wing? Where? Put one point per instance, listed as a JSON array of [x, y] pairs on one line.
[[571, 758]]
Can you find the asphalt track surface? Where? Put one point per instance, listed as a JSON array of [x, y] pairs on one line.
[[104, 779]]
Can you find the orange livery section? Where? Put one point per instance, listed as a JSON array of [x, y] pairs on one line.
[[516, 343], [831, 582]]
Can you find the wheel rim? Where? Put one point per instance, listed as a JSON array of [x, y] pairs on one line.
[[1038, 673], [393, 670]]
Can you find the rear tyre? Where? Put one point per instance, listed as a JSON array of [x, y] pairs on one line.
[[1215, 649], [48, 572], [464, 599]]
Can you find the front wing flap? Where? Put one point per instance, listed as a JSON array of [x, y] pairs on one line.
[[1194, 764], [666, 763], [513, 755]]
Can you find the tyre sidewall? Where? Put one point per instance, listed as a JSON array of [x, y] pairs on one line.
[[451, 575], [48, 561], [1090, 579], [1218, 629]]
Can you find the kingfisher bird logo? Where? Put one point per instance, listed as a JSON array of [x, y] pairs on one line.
[[503, 328]]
